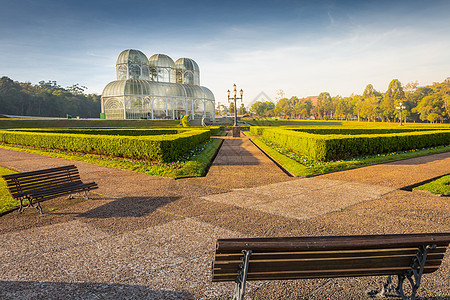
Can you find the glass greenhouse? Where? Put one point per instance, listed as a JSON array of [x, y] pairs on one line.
[[156, 88]]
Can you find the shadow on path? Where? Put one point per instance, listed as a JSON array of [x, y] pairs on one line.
[[128, 207], [64, 290]]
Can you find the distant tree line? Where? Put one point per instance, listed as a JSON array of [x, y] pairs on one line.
[[429, 103], [46, 99]]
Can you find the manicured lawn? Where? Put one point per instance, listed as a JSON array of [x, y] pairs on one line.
[[440, 186], [6, 201]]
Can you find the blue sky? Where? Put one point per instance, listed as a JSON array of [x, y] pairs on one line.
[[301, 47]]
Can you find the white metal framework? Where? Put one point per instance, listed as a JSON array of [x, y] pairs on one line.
[[156, 88]]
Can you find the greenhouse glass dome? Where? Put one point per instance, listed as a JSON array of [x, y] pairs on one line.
[[156, 88]]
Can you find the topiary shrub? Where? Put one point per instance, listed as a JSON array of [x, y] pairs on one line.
[[185, 121]]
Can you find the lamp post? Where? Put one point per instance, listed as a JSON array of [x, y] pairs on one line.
[[401, 107], [236, 130]]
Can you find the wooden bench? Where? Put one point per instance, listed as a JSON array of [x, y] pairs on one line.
[[406, 255], [46, 184]]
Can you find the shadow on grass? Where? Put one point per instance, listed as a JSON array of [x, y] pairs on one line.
[[65, 290]]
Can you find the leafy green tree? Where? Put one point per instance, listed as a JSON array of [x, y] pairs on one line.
[[262, 109], [242, 110], [303, 108], [393, 96], [231, 109], [285, 107], [357, 104], [370, 105], [46, 99]]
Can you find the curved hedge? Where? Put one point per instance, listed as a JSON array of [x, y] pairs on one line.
[[162, 148]]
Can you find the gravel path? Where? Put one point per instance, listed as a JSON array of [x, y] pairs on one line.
[[145, 237]]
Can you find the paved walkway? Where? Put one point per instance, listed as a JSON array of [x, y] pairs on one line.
[[144, 237]]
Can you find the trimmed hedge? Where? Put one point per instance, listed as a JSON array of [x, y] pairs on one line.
[[257, 130], [336, 147], [358, 131], [162, 148], [108, 131], [139, 131]]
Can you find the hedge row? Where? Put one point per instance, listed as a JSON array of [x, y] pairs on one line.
[[336, 147], [358, 131], [162, 148], [108, 131], [121, 131], [350, 130]]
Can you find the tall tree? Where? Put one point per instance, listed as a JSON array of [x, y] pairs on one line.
[[393, 96]]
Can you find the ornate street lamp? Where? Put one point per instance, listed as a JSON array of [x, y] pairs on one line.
[[236, 130], [401, 107]]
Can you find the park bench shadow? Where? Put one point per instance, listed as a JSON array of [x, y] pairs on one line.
[[61, 290], [128, 207]]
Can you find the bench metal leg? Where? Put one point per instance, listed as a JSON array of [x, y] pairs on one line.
[[21, 206], [39, 208], [242, 277], [30, 204], [414, 275]]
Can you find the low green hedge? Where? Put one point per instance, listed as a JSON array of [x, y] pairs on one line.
[[336, 147], [163, 148], [108, 131], [358, 130], [257, 130]]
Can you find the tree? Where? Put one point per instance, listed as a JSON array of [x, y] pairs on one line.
[[46, 99], [303, 108], [231, 109], [393, 96], [370, 104], [325, 107], [341, 107], [430, 105], [284, 108], [242, 110], [357, 104], [262, 109]]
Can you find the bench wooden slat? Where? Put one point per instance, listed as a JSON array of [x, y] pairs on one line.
[[23, 193], [61, 189], [27, 180], [31, 181], [321, 274], [324, 254], [330, 243], [42, 185], [287, 265], [37, 172]]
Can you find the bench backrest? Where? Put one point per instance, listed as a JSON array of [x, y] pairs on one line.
[[326, 257], [19, 184]]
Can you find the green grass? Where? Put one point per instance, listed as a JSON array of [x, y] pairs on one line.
[[440, 186], [192, 164], [301, 166], [6, 201], [290, 165]]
